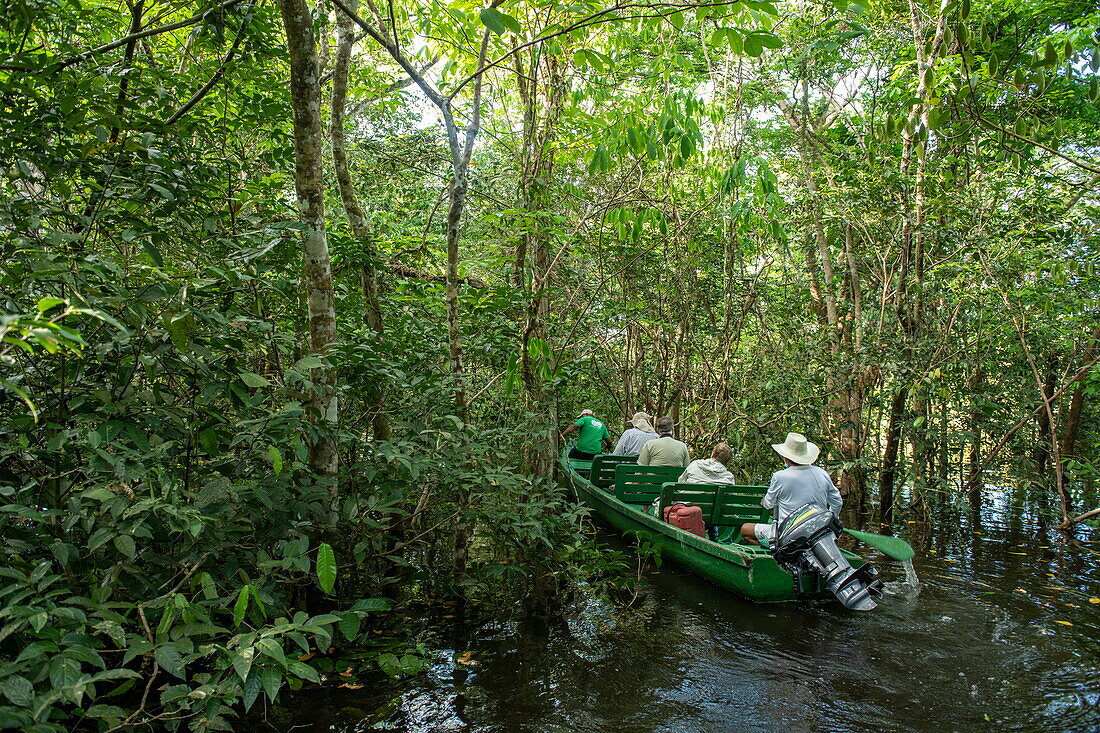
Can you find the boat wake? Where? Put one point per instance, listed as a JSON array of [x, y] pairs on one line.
[[908, 588]]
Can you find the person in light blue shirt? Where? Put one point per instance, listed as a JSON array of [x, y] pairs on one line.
[[641, 432], [798, 484]]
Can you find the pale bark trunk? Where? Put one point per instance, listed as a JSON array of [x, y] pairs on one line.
[[305, 88]]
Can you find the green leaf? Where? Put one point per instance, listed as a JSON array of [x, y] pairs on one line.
[[252, 687], [254, 380], [125, 544], [272, 680], [100, 315], [22, 396], [895, 547], [18, 690], [241, 605], [168, 657], [242, 662], [390, 665], [46, 304], [326, 567], [350, 623], [308, 362], [303, 670], [276, 459], [271, 648], [767, 40], [493, 19]]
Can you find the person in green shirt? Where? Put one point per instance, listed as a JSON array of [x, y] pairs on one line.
[[592, 436]]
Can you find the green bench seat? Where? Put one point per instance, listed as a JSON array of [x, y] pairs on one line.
[[603, 468], [723, 505], [636, 484]]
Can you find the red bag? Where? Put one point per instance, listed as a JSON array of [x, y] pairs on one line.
[[686, 517]]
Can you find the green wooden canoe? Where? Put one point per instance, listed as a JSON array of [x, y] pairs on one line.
[[622, 502]]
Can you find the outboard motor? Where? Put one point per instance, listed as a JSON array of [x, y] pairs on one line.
[[805, 545]]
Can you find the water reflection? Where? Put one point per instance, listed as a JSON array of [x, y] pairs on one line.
[[1003, 635]]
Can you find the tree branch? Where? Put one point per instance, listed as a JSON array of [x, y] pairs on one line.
[[197, 18], [589, 20], [202, 92]]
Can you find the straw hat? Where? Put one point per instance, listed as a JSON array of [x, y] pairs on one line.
[[642, 422], [798, 449]]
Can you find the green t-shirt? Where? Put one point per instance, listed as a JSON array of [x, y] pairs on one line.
[[591, 434]]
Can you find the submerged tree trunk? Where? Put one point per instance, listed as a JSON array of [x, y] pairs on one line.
[[974, 481], [305, 93], [1077, 404], [890, 455]]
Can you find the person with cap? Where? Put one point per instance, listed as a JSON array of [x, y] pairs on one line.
[[593, 435], [640, 432], [665, 450], [798, 484]]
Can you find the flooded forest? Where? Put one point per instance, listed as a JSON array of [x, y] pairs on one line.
[[297, 299]]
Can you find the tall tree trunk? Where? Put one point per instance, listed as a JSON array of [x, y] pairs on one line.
[[1077, 403], [305, 97], [1041, 453], [541, 84], [890, 455], [358, 220]]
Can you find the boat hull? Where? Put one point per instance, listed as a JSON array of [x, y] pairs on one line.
[[746, 570]]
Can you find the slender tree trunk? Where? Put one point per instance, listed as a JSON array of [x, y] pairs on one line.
[[1077, 403], [1041, 453], [890, 455], [536, 171], [358, 220], [305, 93]]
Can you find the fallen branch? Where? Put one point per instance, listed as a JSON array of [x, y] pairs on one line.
[[1087, 515]]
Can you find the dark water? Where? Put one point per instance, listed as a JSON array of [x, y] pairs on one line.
[[1004, 635]]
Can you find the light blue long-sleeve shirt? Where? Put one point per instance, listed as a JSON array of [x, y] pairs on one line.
[[796, 486]]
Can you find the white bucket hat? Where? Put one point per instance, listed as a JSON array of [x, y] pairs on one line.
[[642, 422], [798, 449], [586, 412]]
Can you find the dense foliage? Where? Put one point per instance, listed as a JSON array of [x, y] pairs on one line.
[[873, 224]]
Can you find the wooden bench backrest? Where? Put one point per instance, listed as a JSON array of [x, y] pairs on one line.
[[636, 484], [603, 468], [722, 504], [703, 496], [740, 504]]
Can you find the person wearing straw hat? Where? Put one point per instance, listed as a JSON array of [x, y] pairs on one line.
[[593, 435], [640, 432], [798, 484]]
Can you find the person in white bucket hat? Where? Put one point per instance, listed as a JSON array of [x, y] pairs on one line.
[[640, 432], [798, 484]]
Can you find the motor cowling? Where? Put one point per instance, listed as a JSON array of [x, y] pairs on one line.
[[805, 545]]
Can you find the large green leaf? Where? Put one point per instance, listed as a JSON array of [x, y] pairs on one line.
[[326, 567]]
